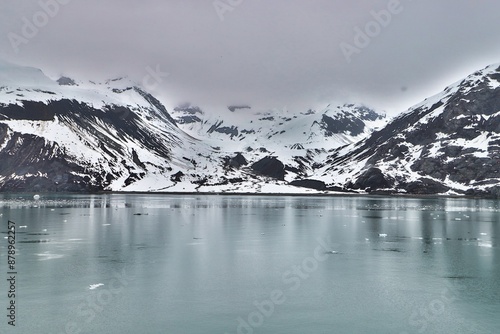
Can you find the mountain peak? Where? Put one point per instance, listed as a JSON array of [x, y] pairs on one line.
[[115, 136], [65, 81], [447, 143]]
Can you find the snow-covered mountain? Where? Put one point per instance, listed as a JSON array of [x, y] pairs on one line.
[[332, 127], [449, 143], [83, 137], [293, 143], [67, 135]]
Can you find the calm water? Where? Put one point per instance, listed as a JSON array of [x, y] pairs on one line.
[[237, 264]]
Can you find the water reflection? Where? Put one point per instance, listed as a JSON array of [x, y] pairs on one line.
[[200, 262]]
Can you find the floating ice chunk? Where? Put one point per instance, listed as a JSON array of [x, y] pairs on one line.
[[36, 197], [95, 286], [49, 256], [482, 233], [382, 235]]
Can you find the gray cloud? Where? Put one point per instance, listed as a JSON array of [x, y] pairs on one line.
[[265, 53]]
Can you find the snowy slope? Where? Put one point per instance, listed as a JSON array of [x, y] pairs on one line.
[[86, 136], [78, 136], [449, 143], [332, 127], [300, 140]]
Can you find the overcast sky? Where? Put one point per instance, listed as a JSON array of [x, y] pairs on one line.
[[266, 53]]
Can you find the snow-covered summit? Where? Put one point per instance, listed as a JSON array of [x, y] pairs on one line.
[[60, 135], [449, 143]]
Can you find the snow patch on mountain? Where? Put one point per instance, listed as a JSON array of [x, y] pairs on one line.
[[68, 135]]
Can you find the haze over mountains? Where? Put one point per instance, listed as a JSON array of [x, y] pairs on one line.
[[67, 135]]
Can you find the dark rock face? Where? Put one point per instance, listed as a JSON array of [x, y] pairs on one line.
[[177, 177], [450, 143], [238, 107], [187, 119], [237, 161], [229, 130], [31, 110], [352, 126], [73, 113], [371, 179], [308, 183], [425, 186], [297, 147], [192, 114], [270, 166], [347, 122], [452, 139], [189, 109], [29, 163], [65, 81]]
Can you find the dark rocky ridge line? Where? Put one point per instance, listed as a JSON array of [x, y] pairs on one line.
[[449, 144], [32, 163], [471, 111]]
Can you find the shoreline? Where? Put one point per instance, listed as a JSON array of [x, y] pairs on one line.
[[319, 194]]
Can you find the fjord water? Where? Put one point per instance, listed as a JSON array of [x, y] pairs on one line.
[[252, 264]]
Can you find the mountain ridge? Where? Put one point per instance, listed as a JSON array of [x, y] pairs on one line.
[[462, 120], [67, 135]]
